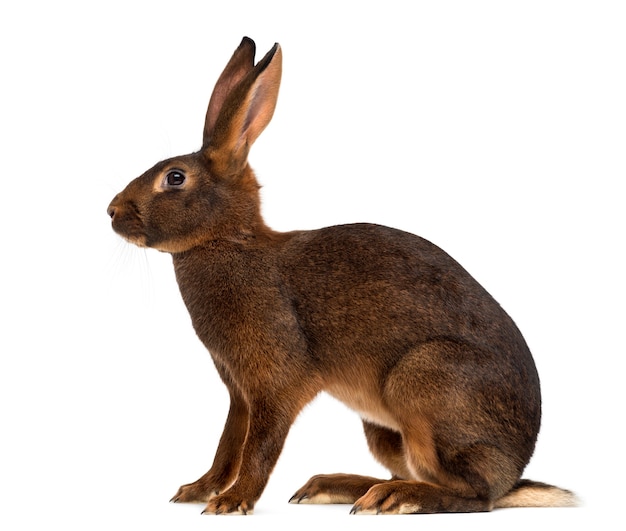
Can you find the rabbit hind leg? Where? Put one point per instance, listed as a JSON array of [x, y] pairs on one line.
[[423, 483], [453, 464], [387, 447], [468, 480]]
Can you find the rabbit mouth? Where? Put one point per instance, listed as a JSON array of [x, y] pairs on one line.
[[127, 223], [132, 235]]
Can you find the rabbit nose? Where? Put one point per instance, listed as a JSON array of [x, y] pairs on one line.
[[113, 207]]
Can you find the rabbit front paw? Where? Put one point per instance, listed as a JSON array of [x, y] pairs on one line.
[[229, 504]]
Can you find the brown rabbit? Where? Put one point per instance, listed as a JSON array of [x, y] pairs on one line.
[[381, 319]]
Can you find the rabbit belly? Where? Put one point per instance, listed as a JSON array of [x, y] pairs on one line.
[[366, 403]]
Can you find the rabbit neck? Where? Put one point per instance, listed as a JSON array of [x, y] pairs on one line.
[[238, 210]]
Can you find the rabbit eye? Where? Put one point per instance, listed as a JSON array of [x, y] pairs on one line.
[[175, 178]]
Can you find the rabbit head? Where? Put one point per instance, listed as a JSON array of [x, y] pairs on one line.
[[211, 194]]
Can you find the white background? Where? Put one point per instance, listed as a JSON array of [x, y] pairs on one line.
[[495, 129]]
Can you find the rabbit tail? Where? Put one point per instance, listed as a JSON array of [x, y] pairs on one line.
[[527, 493]]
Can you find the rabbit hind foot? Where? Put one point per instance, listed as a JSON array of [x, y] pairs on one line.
[[334, 489]]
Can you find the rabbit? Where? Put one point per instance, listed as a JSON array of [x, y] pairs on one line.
[[382, 320]]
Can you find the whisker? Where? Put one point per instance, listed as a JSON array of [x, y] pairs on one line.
[[130, 265]]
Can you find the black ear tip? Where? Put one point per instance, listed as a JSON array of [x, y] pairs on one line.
[[248, 46], [247, 41], [270, 55]]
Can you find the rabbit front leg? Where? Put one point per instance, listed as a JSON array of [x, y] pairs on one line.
[[227, 457], [270, 421]]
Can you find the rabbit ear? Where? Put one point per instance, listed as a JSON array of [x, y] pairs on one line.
[[245, 112], [239, 65]]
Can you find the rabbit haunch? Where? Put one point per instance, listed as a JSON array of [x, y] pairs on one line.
[[382, 319]]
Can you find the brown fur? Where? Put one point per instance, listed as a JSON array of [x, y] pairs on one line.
[[383, 320]]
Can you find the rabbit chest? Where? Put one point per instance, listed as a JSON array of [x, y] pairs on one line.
[[240, 311]]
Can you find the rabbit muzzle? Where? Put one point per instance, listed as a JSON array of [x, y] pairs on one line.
[[126, 221]]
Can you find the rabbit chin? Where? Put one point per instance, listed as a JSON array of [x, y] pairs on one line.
[[140, 239], [171, 246], [136, 239]]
